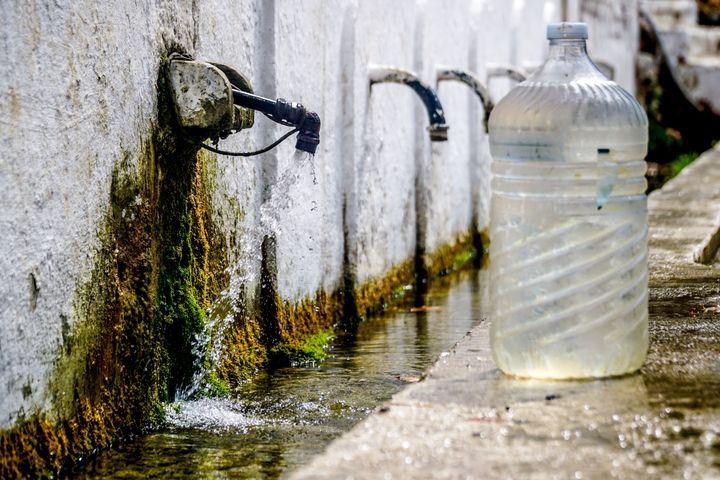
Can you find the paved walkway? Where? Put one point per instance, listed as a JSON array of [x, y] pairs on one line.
[[467, 420]]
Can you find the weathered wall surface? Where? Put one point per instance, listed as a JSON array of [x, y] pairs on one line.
[[445, 169], [79, 88]]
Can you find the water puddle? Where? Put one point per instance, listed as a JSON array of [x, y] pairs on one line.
[[276, 422]]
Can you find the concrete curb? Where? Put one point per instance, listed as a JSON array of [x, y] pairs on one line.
[[684, 214]]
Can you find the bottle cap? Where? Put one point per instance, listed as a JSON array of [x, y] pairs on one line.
[[569, 30]]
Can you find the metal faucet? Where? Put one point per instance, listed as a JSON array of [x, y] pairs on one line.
[[385, 74], [471, 80]]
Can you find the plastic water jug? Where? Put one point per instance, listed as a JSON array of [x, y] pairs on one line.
[[568, 220]]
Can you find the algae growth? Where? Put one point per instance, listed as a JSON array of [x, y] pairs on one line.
[[157, 266]]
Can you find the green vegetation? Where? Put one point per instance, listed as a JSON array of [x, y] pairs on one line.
[[215, 387], [313, 350], [454, 256], [709, 12], [668, 151], [664, 143], [682, 161]]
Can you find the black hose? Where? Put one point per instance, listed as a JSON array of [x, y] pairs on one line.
[[249, 154]]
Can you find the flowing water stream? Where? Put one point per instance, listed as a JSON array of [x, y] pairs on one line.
[[207, 348], [277, 421]]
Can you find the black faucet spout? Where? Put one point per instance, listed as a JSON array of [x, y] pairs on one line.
[[285, 113], [438, 128], [309, 136]]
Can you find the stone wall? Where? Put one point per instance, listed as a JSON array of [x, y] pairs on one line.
[[80, 88]]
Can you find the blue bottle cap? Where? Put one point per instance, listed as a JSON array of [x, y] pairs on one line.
[[569, 30]]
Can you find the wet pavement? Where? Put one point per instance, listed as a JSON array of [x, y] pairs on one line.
[[467, 420]]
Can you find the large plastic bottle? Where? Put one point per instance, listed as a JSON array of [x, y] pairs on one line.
[[568, 221]]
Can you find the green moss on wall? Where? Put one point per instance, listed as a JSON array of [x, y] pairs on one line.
[[243, 351], [159, 263], [454, 256], [376, 295], [298, 321], [190, 272], [301, 331], [312, 350]]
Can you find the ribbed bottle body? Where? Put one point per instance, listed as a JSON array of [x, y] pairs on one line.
[[568, 230]]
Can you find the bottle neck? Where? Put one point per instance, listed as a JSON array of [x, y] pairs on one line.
[[567, 49]]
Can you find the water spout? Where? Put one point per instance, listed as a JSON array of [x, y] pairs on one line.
[[472, 81], [285, 113], [213, 100], [385, 74]]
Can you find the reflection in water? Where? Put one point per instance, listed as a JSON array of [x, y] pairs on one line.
[[280, 419]]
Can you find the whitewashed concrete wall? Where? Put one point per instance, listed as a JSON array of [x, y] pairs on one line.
[[309, 69], [446, 168], [235, 32], [381, 199], [78, 92]]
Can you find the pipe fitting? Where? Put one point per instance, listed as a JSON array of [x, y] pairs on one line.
[[202, 97], [285, 113]]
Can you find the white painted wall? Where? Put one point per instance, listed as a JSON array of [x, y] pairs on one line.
[[78, 89], [77, 92], [234, 32], [446, 168], [381, 198], [308, 43]]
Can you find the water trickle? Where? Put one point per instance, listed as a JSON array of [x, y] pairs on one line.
[[312, 169], [207, 345], [281, 200]]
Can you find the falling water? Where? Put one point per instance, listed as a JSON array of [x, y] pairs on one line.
[[281, 201], [207, 345]]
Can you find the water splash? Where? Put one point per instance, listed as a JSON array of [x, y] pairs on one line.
[[213, 414], [208, 344]]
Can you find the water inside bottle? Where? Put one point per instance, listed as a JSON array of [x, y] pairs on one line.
[[568, 254]]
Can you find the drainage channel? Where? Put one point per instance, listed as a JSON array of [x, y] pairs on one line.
[[280, 419]]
